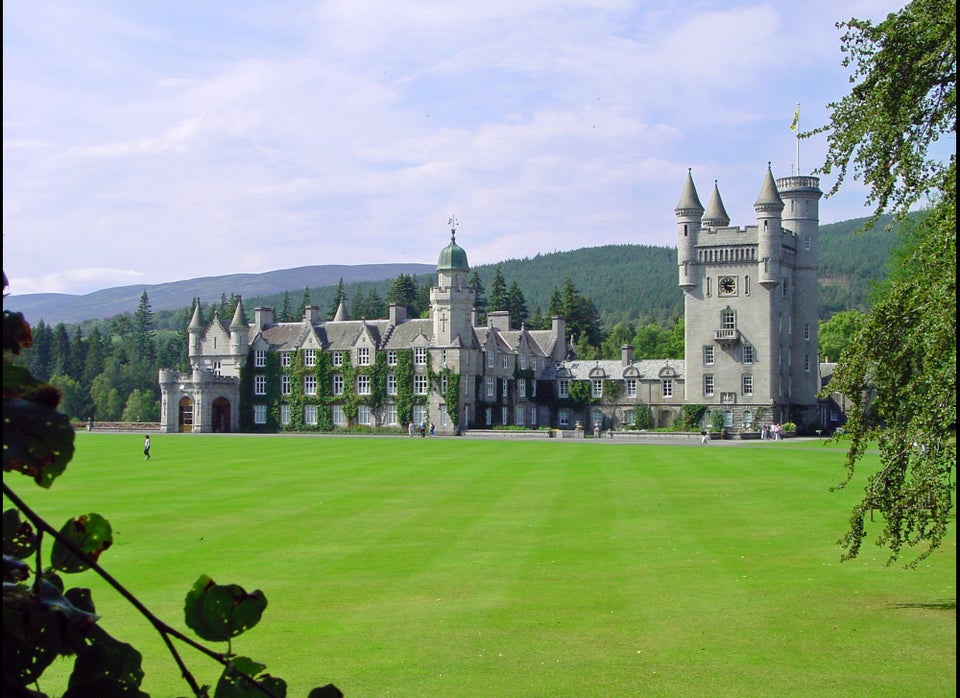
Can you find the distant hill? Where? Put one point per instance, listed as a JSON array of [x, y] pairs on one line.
[[625, 282], [59, 307]]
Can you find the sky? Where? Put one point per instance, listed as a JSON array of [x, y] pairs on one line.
[[149, 142]]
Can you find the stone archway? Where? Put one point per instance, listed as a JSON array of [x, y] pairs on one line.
[[221, 415], [185, 415]]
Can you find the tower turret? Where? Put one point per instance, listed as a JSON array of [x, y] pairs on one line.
[[716, 215], [689, 212], [195, 331], [238, 330], [452, 299], [769, 207]]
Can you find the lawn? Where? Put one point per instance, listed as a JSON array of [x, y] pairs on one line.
[[453, 567]]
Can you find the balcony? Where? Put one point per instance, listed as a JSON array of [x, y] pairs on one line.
[[726, 336]]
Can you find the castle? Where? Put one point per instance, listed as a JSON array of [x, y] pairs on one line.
[[750, 313]]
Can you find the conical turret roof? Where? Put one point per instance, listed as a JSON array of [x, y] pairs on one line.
[[196, 322], [769, 198], [341, 314], [689, 201], [239, 321], [716, 215]]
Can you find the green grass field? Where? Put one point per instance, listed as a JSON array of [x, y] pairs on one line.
[[453, 567]]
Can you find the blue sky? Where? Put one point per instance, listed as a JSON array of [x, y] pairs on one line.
[[152, 142]]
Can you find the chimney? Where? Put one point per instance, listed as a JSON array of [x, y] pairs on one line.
[[398, 313], [626, 355], [262, 317], [311, 314], [500, 319]]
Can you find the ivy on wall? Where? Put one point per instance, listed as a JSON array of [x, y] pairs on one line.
[[404, 372]]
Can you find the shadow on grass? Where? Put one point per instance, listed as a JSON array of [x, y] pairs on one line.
[[945, 605]]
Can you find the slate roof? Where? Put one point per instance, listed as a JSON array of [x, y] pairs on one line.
[[614, 369]]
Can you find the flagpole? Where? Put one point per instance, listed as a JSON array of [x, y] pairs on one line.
[[796, 123]]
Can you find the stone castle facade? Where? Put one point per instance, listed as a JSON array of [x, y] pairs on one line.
[[750, 345]]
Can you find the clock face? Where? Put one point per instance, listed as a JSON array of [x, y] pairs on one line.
[[728, 285]]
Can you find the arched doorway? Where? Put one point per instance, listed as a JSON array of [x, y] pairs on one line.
[[221, 415], [185, 418]]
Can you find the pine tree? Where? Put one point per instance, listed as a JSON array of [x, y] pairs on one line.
[[498, 291], [517, 305]]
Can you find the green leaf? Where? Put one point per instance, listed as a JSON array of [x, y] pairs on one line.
[[91, 533], [31, 636], [106, 668], [233, 684], [19, 538], [37, 440], [219, 612]]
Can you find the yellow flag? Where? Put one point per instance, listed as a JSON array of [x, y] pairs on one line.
[[796, 118]]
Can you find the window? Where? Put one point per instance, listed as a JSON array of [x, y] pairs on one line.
[[563, 387], [392, 357], [259, 385], [503, 416], [746, 285], [491, 359], [596, 387], [491, 387], [728, 320], [747, 419], [419, 384], [728, 398], [364, 415], [337, 384], [260, 358], [708, 384], [533, 363], [488, 416], [806, 241], [523, 362], [533, 389], [391, 384], [666, 387], [727, 418], [285, 385], [505, 361], [285, 414], [420, 356], [563, 419], [309, 385], [806, 331], [310, 415], [259, 414], [521, 387], [339, 420], [518, 416], [443, 415], [533, 416], [747, 384], [309, 357], [216, 368], [786, 286], [363, 356], [708, 355], [392, 415], [443, 357], [419, 414], [338, 358], [363, 384], [806, 363], [598, 418], [285, 360], [631, 387], [747, 354], [504, 387], [443, 384]]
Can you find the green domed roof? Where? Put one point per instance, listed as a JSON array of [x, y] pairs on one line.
[[453, 257]]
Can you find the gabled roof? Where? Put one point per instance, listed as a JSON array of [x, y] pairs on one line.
[[613, 369], [406, 333]]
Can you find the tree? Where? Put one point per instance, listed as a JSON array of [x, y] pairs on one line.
[[642, 417], [41, 353], [517, 305], [480, 302], [339, 296], [144, 330], [304, 302], [498, 291], [403, 291], [900, 369], [836, 334], [141, 407], [74, 400], [285, 309]]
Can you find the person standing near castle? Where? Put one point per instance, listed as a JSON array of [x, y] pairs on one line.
[[146, 448]]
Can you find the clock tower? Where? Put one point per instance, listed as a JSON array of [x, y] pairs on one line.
[[750, 304]]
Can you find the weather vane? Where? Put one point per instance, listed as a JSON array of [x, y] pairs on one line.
[[453, 227]]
